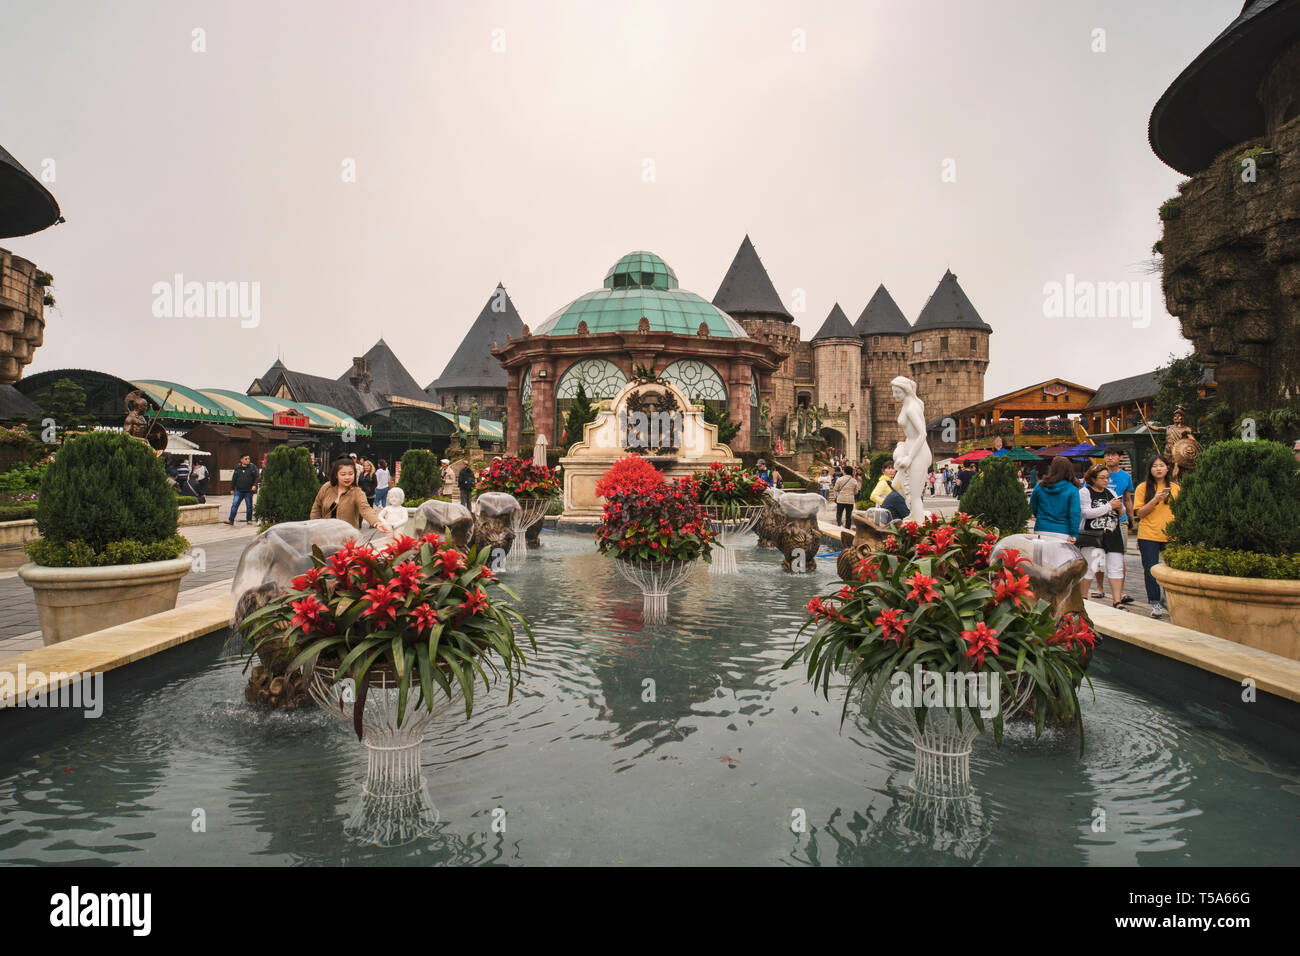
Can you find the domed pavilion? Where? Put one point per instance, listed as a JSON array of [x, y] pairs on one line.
[[639, 320]]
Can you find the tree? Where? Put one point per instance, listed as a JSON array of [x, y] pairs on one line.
[[580, 413], [878, 462], [726, 429], [995, 496], [421, 477], [288, 486], [65, 402], [1180, 384]]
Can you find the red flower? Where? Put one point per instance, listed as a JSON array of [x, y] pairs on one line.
[[474, 602], [1012, 558], [307, 613], [310, 579], [922, 588], [408, 575], [449, 562], [1007, 584], [1074, 629], [845, 593], [923, 548], [891, 544], [866, 569], [399, 544], [425, 617], [943, 538], [892, 627], [820, 609], [981, 640], [381, 603]]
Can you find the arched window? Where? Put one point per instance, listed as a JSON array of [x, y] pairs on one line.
[[699, 381], [600, 378]]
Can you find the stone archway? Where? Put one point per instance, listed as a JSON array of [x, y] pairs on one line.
[[835, 439]]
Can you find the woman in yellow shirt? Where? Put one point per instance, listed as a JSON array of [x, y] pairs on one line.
[[1151, 499]]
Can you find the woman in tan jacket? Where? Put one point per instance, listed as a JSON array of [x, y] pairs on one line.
[[341, 498], [845, 492]]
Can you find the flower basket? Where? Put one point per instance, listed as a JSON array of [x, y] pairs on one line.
[[395, 808], [412, 631], [947, 643], [530, 511], [729, 523], [655, 580]]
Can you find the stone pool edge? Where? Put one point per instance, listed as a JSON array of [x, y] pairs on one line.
[[111, 648]]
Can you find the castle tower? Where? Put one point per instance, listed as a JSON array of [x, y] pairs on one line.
[[837, 369], [748, 296], [948, 351], [883, 331]]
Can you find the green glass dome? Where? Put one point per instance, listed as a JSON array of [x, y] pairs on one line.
[[641, 284]]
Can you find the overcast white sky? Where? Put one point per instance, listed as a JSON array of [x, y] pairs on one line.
[[526, 165]]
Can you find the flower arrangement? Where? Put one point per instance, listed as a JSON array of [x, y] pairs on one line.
[[663, 524], [931, 601], [519, 477], [417, 609], [631, 473], [17, 435], [727, 486]]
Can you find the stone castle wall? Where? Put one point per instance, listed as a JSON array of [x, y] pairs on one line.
[[22, 315], [784, 337], [837, 369], [947, 379], [881, 364]]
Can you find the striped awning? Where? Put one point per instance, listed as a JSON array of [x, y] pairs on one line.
[[228, 406], [486, 427]]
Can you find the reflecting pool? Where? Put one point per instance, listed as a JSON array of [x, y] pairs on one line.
[[678, 744]]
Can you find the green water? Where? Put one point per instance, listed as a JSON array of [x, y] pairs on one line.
[[731, 752]]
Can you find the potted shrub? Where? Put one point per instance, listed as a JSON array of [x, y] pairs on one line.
[[949, 642], [1232, 568], [655, 538], [109, 552], [421, 477]]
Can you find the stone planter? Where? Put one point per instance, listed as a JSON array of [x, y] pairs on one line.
[[76, 601], [1257, 612]]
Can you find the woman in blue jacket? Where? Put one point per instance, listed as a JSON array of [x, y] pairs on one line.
[[1055, 502]]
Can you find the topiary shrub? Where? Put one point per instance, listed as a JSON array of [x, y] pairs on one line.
[[1243, 496], [105, 487], [287, 488], [996, 498], [183, 500], [421, 477], [580, 413], [1236, 564]]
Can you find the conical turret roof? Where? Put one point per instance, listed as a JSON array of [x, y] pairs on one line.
[[388, 376], [747, 289], [472, 364], [836, 326], [948, 308], [882, 316]]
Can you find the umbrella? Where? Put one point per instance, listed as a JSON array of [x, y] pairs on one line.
[[25, 205], [1051, 451], [1079, 451], [1019, 454], [972, 456]]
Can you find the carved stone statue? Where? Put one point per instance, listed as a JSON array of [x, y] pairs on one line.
[[395, 513], [493, 514], [473, 417], [764, 413], [817, 419], [800, 537], [136, 425], [912, 456], [801, 417]]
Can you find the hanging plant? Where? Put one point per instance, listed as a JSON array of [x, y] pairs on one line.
[[43, 279]]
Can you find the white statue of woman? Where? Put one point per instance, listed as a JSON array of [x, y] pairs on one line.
[[912, 457]]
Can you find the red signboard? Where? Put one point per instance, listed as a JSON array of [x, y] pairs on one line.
[[290, 418], [1056, 388]]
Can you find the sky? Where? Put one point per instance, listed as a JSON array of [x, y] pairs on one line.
[[373, 169]]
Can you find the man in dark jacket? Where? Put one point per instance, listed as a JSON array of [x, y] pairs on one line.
[[465, 482], [243, 483]]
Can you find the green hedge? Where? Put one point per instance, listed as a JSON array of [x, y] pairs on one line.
[[19, 512], [1237, 564], [183, 500], [102, 488], [996, 498], [78, 554], [287, 488], [878, 462]]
